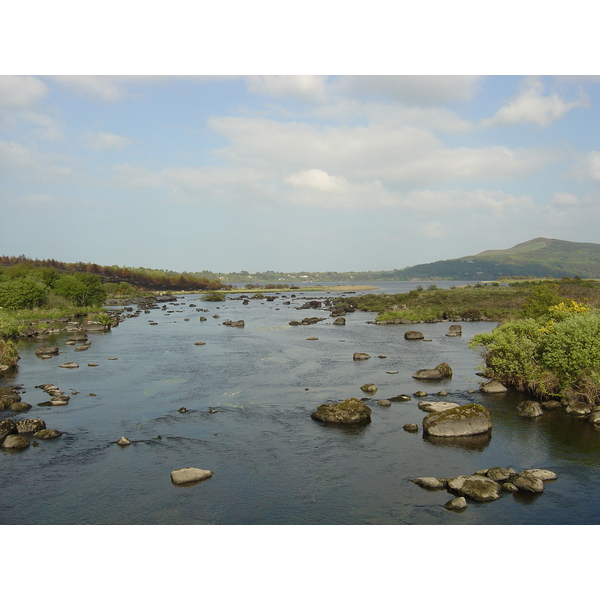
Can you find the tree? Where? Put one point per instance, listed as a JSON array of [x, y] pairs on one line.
[[83, 289], [22, 292]]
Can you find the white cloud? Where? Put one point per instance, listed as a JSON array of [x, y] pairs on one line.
[[409, 89], [21, 91], [100, 87], [407, 156], [318, 180], [565, 199], [101, 140], [22, 160], [303, 87], [531, 106], [591, 166], [433, 230]]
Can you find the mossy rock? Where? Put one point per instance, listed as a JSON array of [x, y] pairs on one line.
[[467, 420], [349, 412], [47, 434]]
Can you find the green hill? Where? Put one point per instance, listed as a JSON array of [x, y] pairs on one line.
[[537, 258]]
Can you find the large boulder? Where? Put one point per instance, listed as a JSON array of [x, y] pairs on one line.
[[442, 371], [349, 412], [470, 419]]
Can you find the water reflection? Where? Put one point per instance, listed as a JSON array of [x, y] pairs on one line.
[[469, 442]]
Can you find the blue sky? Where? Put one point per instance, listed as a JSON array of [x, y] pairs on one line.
[[226, 172]]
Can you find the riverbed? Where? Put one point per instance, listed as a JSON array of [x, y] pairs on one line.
[[248, 394]]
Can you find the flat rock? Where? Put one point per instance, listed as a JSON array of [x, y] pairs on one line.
[[47, 434], [189, 475], [543, 474], [430, 483], [413, 335], [430, 406], [69, 365], [360, 356]]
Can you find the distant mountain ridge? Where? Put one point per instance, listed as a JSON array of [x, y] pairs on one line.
[[539, 257]]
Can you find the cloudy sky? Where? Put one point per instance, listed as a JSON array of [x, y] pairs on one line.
[[292, 172]]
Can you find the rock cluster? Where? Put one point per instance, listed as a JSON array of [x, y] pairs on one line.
[[57, 397], [13, 432], [488, 485]]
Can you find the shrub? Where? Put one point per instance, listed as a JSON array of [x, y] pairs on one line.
[[8, 353], [215, 296], [82, 289], [24, 292]]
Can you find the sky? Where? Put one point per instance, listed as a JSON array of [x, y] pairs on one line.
[[224, 172]]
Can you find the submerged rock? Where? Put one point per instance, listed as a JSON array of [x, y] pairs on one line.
[[429, 406], [411, 427], [47, 434], [430, 483], [466, 420], [349, 412]]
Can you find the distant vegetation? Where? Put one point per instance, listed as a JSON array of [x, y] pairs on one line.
[[126, 277]]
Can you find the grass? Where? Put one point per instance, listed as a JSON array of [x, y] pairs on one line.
[[473, 302]]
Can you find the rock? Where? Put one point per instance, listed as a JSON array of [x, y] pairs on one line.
[[384, 402], [499, 474], [311, 339], [15, 442], [182, 410], [239, 323], [30, 425], [529, 409], [360, 356], [457, 504], [413, 335], [189, 475], [466, 420], [93, 365], [350, 412], [595, 417], [429, 406], [47, 351], [369, 388], [70, 365], [493, 387], [399, 398], [340, 321], [20, 406], [7, 427], [47, 434], [442, 393], [199, 343], [454, 331], [550, 405], [509, 487], [526, 482], [420, 394], [392, 372], [430, 483], [123, 441], [411, 427], [578, 409], [477, 487], [543, 474], [442, 371]]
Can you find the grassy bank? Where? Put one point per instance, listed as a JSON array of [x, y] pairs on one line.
[[490, 301]]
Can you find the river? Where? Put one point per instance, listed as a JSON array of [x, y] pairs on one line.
[[249, 393]]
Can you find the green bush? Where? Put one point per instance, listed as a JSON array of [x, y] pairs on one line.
[[545, 357], [215, 296], [82, 289], [24, 292]]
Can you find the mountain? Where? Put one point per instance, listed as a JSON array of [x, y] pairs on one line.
[[539, 257]]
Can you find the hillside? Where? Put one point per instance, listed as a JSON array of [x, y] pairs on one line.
[[539, 257]]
